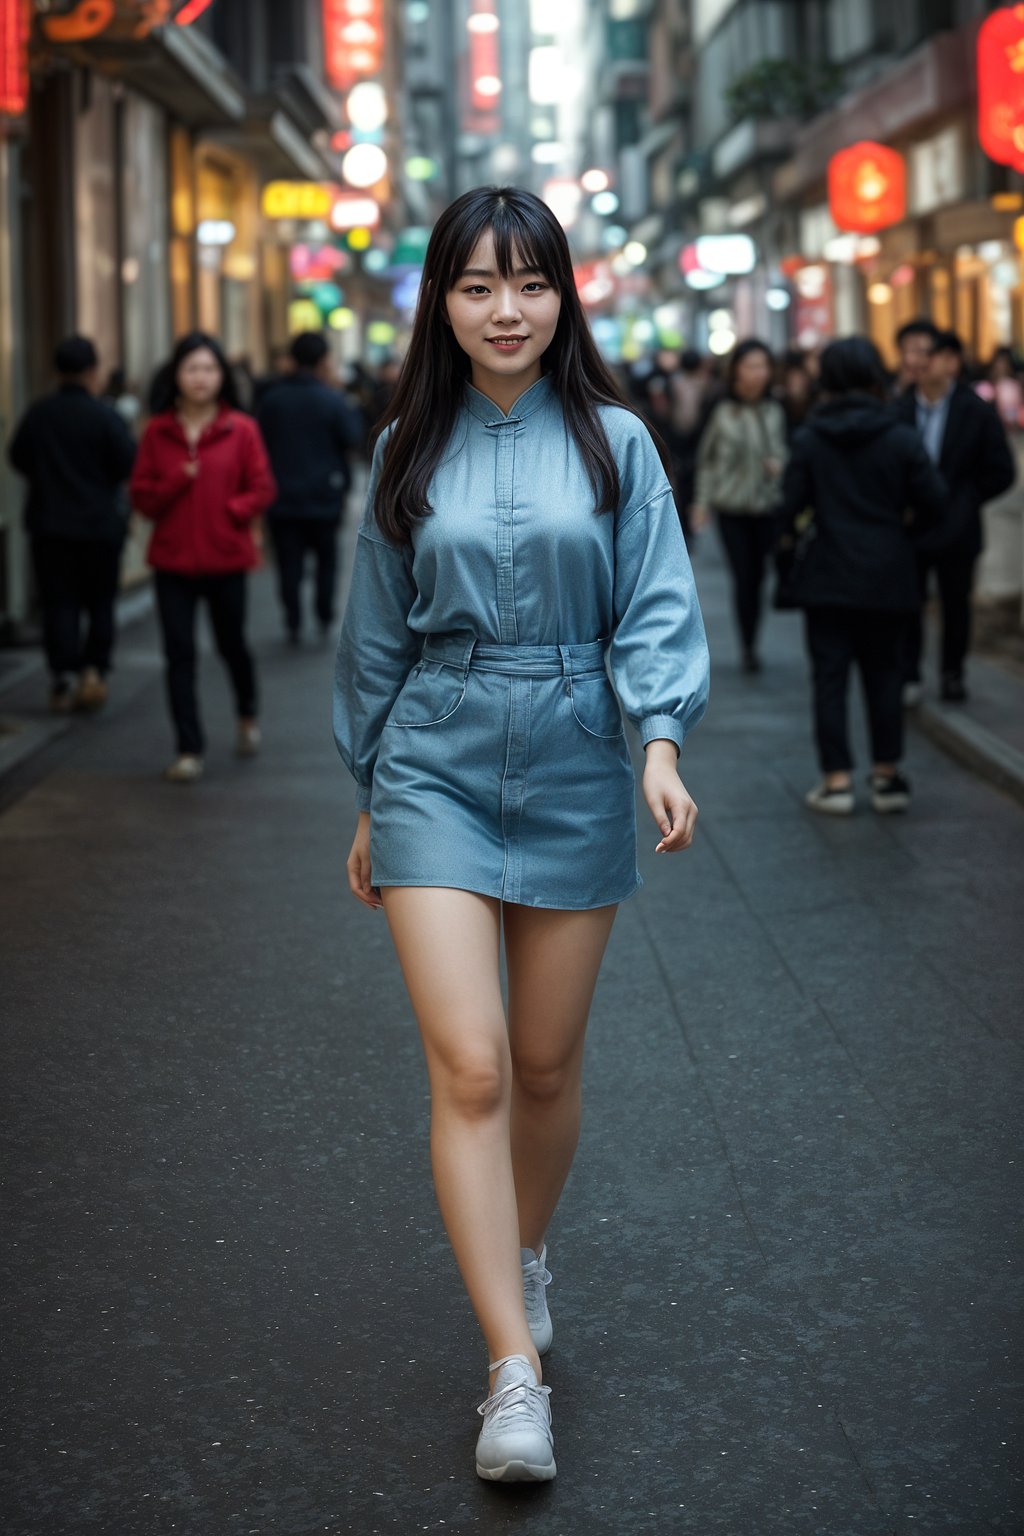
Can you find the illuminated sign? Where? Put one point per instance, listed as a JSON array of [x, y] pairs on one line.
[[353, 41], [14, 24], [867, 187], [82, 20], [1001, 86], [297, 200]]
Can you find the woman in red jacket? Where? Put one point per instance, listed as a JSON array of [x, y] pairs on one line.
[[203, 477]]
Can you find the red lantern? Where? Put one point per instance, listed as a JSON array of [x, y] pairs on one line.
[[14, 24], [867, 187], [1001, 86]]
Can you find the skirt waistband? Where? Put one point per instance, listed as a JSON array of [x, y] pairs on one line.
[[461, 650]]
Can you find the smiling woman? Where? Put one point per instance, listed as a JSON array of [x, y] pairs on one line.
[[519, 533]]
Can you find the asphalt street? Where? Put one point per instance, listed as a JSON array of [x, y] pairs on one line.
[[787, 1265]]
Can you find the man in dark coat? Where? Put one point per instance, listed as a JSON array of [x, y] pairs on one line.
[[76, 452], [965, 438], [310, 431]]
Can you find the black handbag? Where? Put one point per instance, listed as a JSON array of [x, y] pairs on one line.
[[791, 554]]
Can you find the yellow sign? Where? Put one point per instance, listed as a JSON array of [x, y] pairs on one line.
[[1018, 233], [297, 200]]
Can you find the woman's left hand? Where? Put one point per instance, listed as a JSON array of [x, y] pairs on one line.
[[674, 812]]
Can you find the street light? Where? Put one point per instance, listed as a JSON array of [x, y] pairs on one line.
[[364, 165]]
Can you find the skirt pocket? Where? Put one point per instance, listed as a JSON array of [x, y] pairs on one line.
[[431, 693], [595, 706]]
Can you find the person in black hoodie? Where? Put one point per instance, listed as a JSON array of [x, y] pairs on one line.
[[869, 488], [76, 452], [310, 431], [966, 439]]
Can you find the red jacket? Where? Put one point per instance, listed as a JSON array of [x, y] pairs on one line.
[[203, 523]]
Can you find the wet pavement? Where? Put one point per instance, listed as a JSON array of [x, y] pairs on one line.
[[786, 1292]]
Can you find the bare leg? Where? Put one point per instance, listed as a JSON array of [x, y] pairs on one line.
[[553, 961], [447, 942]]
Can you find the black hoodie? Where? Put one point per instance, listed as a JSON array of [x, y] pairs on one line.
[[872, 488]]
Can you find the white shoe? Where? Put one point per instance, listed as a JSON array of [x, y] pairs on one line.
[[248, 739], [833, 802], [535, 1277], [516, 1444], [913, 695], [185, 770]]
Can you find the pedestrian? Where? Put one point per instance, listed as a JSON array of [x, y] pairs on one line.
[[310, 432], [857, 470], [740, 461], [966, 439], [915, 342], [203, 478], [797, 389], [76, 453], [519, 531]]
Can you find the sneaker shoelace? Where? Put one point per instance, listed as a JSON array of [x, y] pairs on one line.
[[535, 1277], [508, 1407]]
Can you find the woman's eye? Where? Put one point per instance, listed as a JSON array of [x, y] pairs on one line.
[[536, 287], [476, 288]]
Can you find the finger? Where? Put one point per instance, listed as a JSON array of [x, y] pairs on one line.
[[684, 820]]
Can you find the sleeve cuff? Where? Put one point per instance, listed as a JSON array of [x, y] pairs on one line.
[[363, 793], [661, 728]]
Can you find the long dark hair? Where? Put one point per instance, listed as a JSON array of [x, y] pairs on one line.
[[163, 392], [853, 365], [429, 392], [747, 349]]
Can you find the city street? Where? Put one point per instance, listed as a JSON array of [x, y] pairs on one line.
[[786, 1269]]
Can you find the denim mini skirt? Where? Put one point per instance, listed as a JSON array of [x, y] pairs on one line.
[[504, 769]]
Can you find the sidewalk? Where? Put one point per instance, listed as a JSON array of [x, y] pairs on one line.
[[786, 1294]]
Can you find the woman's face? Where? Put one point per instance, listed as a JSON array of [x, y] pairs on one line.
[[753, 375], [199, 378], [503, 324]]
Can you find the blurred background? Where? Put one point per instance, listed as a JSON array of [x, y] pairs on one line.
[[791, 169]]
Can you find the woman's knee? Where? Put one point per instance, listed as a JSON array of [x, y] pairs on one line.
[[545, 1080], [475, 1084]]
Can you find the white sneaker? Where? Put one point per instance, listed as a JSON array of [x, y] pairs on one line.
[[535, 1277], [185, 770], [516, 1444], [833, 802]]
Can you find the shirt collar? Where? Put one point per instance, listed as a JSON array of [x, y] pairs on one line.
[[924, 404], [491, 415]]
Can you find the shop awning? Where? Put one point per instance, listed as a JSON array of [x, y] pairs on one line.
[[174, 66]]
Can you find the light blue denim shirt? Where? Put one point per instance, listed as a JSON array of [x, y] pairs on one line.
[[514, 553]]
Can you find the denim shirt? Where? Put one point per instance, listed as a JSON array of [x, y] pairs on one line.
[[514, 553]]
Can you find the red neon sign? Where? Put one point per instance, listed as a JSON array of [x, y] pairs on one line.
[[191, 11], [14, 23], [1001, 86], [867, 187], [353, 41]]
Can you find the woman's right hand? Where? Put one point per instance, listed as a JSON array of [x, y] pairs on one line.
[[358, 866]]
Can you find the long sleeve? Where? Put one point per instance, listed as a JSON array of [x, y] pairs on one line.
[[377, 648], [707, 449], [926, 490], [997, 468], [19, 450], [258, 489], [659, 653], [797, 488], [154, 493], [122, 448]]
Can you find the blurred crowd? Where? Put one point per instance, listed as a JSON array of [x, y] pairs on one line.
[[852, 488]]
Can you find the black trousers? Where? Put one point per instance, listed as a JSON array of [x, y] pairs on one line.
[[876, 642], [178, 598], [954, 575], [76, 578], [292, 537], [747, 538]]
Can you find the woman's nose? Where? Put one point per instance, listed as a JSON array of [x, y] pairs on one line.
[[506, 305]]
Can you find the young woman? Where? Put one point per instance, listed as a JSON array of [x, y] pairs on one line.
[[519, 531], [870, 486], [740, 461], [203, 477]]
